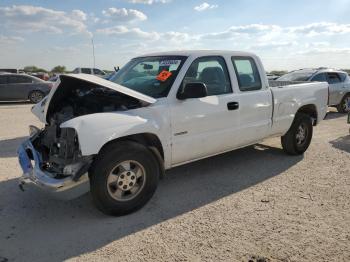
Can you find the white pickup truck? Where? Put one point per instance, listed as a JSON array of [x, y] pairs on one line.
[[116, 138]]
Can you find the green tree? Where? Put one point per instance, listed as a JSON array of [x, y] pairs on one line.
[[59, 69], [33, 69]]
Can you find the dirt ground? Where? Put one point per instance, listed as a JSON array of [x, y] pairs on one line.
[[253, 204]]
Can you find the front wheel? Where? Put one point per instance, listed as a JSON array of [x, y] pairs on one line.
[[298, 138], [123, 178], [36, 96], [344, 106]]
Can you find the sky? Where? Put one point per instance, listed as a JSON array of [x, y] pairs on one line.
[[286, 35]]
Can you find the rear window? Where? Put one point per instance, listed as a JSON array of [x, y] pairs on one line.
[[333, 78], [247, 73], [343, 76]]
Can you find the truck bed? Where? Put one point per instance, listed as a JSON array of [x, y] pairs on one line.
[[289, 96]]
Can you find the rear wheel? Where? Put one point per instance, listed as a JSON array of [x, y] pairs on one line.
[[36, 96], [123, 178], [344, 106], [298, 138]]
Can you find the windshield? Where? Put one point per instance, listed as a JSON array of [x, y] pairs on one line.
[[296, 76], [152, 76]]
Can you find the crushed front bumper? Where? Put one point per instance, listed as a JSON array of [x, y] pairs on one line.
[[33, 175]]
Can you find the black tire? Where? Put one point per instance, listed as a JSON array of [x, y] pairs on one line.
[[293, 145], [104, 164], [343, 107], [36, 96]]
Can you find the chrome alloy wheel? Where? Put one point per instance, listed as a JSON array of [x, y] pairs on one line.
[[301, 134], [126, 180], [36, 96]]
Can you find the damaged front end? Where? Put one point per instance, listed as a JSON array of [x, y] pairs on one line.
[[55, 164], [51, 158]]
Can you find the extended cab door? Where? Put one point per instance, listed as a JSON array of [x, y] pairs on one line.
[[205, 126], [255, 99]]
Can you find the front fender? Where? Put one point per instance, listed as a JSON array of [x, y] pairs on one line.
[[96, 130]]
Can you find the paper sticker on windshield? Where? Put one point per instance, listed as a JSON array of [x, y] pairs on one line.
[[169, 62], [164, 75]]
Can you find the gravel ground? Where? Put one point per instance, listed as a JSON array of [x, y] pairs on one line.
[[252, 204]]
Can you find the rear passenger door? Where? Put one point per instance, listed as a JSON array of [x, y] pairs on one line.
[[255, 100], [335, 88], [19, 86]]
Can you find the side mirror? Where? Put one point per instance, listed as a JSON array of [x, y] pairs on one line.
[[193, 90]]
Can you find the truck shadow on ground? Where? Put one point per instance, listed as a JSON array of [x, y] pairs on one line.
[[334, 115], [342, 143], [39, 228], [8, 147]]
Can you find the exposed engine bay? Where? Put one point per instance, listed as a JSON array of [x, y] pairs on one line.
[[59, 147]]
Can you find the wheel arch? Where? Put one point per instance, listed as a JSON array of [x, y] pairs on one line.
[[149, 140], [310, 110], [345, 95]]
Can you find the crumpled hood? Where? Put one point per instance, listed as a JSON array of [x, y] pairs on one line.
[[40, 109]]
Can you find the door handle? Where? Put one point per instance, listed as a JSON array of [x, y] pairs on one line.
[[232, 105]]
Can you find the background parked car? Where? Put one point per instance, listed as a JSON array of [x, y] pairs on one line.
[[339, 84], [90, 71], [54, 78], [9, 70], [41, 75], [272, 76], [23, 87]]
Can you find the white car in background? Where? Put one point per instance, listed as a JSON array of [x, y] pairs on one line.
[[272, 76], [89, 71], [159, 111], [339, 84]]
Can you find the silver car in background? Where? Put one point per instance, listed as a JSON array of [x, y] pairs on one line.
[[339, 84], [23, 87]]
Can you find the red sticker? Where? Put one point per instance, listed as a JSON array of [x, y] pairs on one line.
[[164, 75]]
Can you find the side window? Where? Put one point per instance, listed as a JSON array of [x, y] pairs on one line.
[[247, 73], [13, 79], [76, 71], [98, 72], [320, 78], [212, 71], [333, 78], [3, 80], [86, 71]]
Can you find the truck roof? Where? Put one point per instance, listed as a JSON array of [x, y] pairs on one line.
[[200, 53]]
